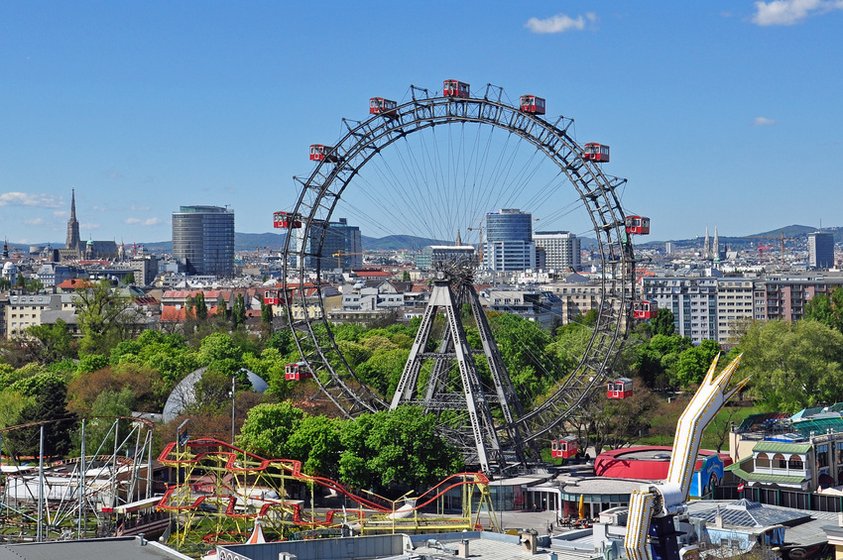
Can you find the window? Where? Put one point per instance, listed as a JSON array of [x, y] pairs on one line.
[[796, 463], [762, 461]]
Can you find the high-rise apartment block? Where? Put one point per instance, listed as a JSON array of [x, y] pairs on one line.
[[821, 250], [509, 241], [203, 240], [561, 250]]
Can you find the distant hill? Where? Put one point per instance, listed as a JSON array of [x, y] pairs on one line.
[[397, 242], [275, 241], [787, 231]]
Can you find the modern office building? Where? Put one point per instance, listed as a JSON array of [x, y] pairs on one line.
[[509, 241], [821, 250], [561, 250], [331, 245], [203, 240]]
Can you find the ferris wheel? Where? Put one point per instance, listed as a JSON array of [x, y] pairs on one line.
[[434, 166]]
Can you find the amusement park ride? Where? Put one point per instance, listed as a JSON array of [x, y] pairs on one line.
[[225, 490], [652, 508], [497, 431]]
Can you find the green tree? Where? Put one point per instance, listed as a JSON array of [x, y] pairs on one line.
[[55, 341], [200, 307], [656, 358], [382, 370], [105, 317], [266, 317], [238, 312], [827, 309], [663, 323], [395, 450], [693, 363], [108, 407], [793, 365], [317, 443], [49, 394], [268, 428]]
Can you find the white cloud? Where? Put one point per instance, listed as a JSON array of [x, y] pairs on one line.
[[142, 221], [87, 225], [791, 12], [763, 121], [560, 23], [60, 213], [34, 222], [27, 199]]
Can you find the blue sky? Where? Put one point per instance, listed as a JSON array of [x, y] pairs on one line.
[[721, 113]]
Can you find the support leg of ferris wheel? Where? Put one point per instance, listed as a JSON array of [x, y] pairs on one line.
[[500, 377], [482, 427]]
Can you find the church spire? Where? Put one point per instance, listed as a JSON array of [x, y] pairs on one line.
[[716, 247], [73, 241], [706, 245]]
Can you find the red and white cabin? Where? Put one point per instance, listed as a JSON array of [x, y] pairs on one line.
[[455, 88], [296, 371], [620, 388], [637, 225], [321, 152], [644, 310], [382, 106], [286, 220], [271, 297], [596, 152], [532, 104], [564, 447]]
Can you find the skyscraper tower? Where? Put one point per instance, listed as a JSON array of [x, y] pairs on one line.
[[72, 241], [203, 240]]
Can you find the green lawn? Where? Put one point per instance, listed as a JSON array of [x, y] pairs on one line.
[[664, 424]]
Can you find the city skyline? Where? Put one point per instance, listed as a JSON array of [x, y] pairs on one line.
[[711, 110]]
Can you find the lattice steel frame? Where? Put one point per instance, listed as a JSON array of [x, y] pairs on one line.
[[322, 190]]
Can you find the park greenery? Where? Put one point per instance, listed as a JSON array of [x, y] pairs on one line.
[[109, 370]]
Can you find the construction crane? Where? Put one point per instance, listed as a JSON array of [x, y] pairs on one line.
[[653, 507], [340, 255]]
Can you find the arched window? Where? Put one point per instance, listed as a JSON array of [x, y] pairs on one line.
[[779, 462], [762, 461], [796, 463]]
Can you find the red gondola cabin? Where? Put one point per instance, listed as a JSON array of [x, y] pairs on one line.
[[596, 152], [296, 371], [532, 104], [271, 297], [455, 88], [286, 220], [637, 225], [320, 152], [381, 106], [620, 388], [564, 447], [644, 310]]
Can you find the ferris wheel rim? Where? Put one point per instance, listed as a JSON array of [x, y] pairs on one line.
[[595, 189]]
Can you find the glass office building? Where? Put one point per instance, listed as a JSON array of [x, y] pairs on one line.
[[203, 240]]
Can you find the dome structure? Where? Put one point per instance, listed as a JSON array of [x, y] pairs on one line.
[[184, 394]]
